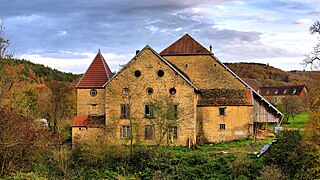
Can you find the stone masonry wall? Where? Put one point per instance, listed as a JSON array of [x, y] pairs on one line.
[[205, 72], [149, 64], [88, 105], [238, 123]]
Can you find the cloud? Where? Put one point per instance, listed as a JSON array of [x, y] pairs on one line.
[[303, 21], [60, 31]]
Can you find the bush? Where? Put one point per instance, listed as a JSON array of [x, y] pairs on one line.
[[271, 172], [287, 153]]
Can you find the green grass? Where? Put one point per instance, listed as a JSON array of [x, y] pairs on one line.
[[298, 122]]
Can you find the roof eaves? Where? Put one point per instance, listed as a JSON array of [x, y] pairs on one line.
[[104, 64], [234, 74], [77, 85]]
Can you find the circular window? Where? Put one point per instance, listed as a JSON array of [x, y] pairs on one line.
[[93, 92], [149, 90], [173, 91], [125, 91], [137, 73], [160, 73]]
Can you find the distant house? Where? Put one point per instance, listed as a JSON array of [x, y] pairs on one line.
[[275, 94], [220, 106]]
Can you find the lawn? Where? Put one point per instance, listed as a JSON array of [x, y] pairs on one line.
[[297, 122]]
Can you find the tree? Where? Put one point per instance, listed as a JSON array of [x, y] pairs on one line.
[[4, 43], [313, 58], [58, 104], [166, 119], [292, 105]]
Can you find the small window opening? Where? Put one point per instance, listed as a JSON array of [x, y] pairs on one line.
[[222, 111], [173, 91], [160, 73], [294, 91], [93, 92], [186, 65], [137, 73], [125, 91], [149, 90], [222, 126]]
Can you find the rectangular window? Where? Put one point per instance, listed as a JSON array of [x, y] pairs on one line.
[[148, 132], [148, 111], [125, 111], [222, 126], [125, 132], [222, 111], [173, 133], [173, 112]]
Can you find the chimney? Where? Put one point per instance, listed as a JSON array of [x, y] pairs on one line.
[[210, 48], [137, 52]]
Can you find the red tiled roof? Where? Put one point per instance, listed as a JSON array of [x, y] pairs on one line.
[[97, 74], [281, 90], [87, 121], [186, 45]]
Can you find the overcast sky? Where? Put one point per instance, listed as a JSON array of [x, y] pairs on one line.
[[66, 34]]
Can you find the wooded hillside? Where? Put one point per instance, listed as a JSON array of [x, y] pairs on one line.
[[270, 76]]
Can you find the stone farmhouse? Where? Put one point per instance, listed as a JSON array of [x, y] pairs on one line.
[[216, 104]]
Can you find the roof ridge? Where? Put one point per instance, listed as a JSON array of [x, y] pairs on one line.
[[186, 45]]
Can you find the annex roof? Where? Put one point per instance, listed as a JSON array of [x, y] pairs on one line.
[[163, 60], [87, 121], [96, 75], [281, 90], [186, 45]]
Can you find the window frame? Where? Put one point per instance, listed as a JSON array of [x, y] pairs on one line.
[[175, 133], [125, 132], [150, 114], [93, 92], [222, 111], [149, 132], [222, 127], [124, 111], [149, 89]]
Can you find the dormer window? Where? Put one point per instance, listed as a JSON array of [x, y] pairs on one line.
[[294, 91], [284, 91], [93, 92]]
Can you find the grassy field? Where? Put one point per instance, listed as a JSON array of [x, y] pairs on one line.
[[297, 122]]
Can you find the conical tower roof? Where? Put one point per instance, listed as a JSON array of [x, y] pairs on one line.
[[97, 74]]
